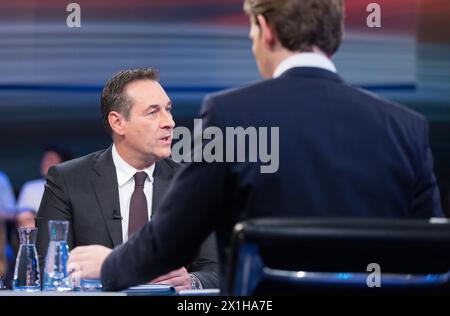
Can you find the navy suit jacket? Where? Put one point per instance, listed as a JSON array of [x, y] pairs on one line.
[[343, 152]]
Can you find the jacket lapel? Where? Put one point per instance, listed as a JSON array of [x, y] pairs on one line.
[[161, 177], [107, 192]]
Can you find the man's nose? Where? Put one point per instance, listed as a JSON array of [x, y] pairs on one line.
[[167, 120]]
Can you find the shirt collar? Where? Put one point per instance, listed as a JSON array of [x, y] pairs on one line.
[[124, 171], [315, 60]]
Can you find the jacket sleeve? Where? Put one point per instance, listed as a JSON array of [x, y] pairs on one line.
[[206, 266], [426, 199], [54, 206]]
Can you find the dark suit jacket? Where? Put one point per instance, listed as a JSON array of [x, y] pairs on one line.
[[342, 153], [84, 191]]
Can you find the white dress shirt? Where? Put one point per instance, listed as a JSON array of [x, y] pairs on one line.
[[125, 180], [315, 60], [30, 195]]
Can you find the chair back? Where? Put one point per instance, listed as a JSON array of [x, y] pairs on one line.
[[292, 256]]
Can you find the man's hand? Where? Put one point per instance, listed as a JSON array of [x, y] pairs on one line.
[[178, 278], [87, 261]]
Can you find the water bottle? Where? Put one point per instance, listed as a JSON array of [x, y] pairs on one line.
[[26, 272], [56, 277]]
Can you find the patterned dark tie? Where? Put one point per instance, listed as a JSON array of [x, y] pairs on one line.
[[138, 215]]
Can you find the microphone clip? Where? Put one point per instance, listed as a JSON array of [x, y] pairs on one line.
[[116, 215]]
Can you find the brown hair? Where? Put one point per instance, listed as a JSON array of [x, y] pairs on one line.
[[113, 96], [300, 24]]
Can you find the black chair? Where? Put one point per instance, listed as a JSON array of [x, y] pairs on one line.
[[292, 256]]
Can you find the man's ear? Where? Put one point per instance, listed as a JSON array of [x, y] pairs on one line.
[[269, 36], [116, 121]]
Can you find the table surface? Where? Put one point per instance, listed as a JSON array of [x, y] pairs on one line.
[[208, 292], [22, 293]]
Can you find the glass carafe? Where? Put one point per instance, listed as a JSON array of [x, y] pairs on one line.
[[55, 274], [26, 272]]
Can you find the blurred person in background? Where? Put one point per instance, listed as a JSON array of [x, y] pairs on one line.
[[7, 198], [30, 195]]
